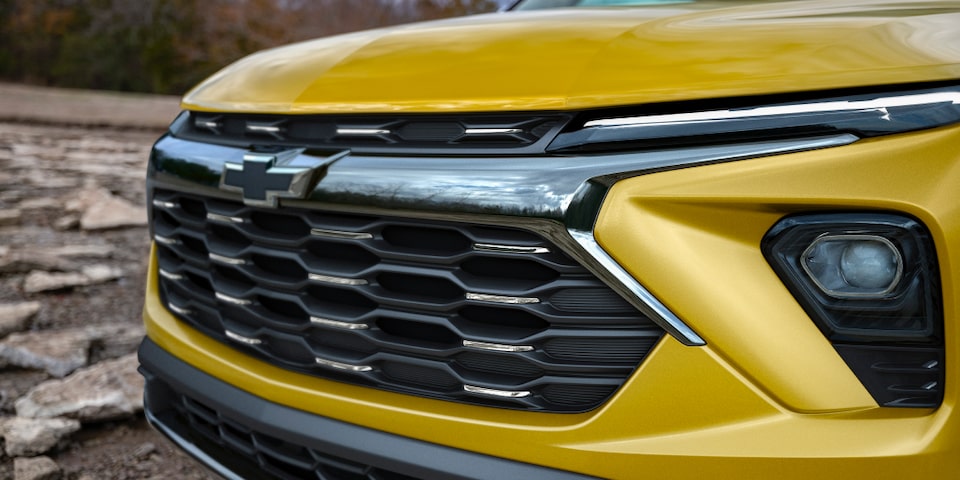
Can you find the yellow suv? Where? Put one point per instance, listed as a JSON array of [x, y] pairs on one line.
[[671, 239]]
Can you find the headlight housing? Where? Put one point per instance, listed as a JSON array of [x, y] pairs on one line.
[[870, 282]]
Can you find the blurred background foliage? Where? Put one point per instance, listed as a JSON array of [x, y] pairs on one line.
[[167, 46]]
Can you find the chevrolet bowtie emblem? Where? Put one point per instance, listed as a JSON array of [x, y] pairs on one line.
[[265, 177]]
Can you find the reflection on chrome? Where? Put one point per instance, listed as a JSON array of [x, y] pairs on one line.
[[242, 339], [336, 280], [322, 232], [497, 347], [489, 247], [233, 300], [227, 260], [338, 324], [170, 275], [342, 366], [216, 217], [484, 297], [162, 204], [496, 393]]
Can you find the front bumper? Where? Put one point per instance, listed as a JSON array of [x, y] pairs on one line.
[[766, 397], [240, 437]]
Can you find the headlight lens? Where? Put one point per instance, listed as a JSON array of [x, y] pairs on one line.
[[852, 266]]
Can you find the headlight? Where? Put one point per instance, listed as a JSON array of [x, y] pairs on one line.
[[871, 283]]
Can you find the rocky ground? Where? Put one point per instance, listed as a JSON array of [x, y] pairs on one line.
[[73, 250]]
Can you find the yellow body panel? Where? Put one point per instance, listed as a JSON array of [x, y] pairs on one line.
[[766, 398], [585, 58]]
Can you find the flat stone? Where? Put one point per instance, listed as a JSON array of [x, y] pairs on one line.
[[28, 437], [39, 281], [40, 203], [66, 222], [58, 352], [21, 261], [15, 316], [10, 216], [109, 390], [36, 468], [101, 210]]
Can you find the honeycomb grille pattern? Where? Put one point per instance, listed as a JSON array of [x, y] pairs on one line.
[[461, 312]]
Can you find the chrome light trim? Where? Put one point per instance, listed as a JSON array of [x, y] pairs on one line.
[[492, 131], [362, 131], [166, 240], [875, 108], [342, 366], [163, 204], [496, 393], [170, 275], [323, 232], [489, 247], [242, 339], [486, 297], [338, 324], [336, 280], [233, 300], [179, 309], [227, 260], [497, 347], [216, 217], [655, 307]]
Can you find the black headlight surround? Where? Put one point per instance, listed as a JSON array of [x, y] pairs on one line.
[[911, 313], [893, 342]]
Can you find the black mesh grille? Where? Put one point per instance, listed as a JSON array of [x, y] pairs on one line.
[[437, 309], [465, 133], [226, 438]]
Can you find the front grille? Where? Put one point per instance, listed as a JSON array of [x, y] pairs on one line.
[[462, 312], [459, 134], [258, 454]]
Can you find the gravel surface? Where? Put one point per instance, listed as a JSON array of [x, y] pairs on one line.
[[66, 266]]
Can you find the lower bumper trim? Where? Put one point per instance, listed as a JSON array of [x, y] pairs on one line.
[[240, 435]]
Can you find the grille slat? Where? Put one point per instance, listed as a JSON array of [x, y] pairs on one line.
[[400, 304]]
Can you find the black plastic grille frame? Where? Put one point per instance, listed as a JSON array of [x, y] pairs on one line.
[[462, 312], [421, 133], [263, 455]]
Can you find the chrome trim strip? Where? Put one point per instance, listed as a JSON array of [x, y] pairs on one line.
[[496, 393], [490, 247], [242, 339], [233, 300], [336, 280], [492, 131], [178, 309], [342, 366], [656, 309], [271, 129], [497, 347], [486, 297], [162, 204], [166, 240], [338, 324], [323, 232], [876, 106], [216, 217], [228, 260], [170, 275], [362, 131]]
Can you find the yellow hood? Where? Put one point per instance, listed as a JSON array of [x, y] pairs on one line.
[[581, 58]]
